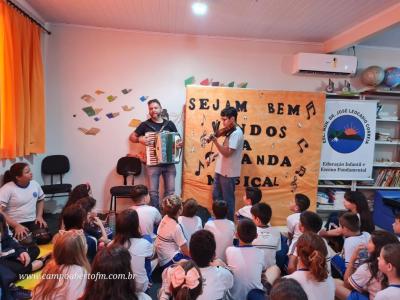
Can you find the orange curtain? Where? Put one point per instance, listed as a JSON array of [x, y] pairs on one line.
[[22, 110]]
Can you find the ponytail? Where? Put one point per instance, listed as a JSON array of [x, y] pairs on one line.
[[312, 253], [183, 294], [318, 266], [15, 171], [7, 177]]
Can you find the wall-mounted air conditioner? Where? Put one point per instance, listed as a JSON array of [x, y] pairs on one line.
[[328, 64]]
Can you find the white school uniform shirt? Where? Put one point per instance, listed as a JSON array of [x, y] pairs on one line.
[[216, 282], [293, 222], [169, 238], [247, 264], [315, 290], [20, 203], [140, 249], [148, 217], [224, 233], [245, 212], [74, 285], [390, 293], [362, 282], [190, 225], [268, 240], [352, 242]]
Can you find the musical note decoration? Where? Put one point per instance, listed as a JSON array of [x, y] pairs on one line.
[[200, 166], [301, 171], [293, 184], [203, 139], [300, 142], [203, 120], [310, 106]]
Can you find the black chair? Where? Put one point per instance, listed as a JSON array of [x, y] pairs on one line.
[[126, 166], [54, 165]]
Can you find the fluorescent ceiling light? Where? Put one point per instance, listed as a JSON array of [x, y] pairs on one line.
[[199, 8]]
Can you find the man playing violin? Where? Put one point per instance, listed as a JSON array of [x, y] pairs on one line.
[[228, 162]]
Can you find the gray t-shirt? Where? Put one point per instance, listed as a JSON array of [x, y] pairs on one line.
[[230, 166]]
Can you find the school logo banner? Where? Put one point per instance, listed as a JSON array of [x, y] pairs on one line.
[[348, 140], [281, 152]]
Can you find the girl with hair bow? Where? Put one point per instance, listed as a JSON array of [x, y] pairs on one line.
[[182, 282]]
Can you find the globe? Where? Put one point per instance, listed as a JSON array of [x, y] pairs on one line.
[[392, 77], [372, 76]]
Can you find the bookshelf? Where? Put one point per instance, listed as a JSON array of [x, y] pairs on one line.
[[386, 167], [386, 174]]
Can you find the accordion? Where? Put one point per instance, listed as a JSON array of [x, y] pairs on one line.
[[163, 149]]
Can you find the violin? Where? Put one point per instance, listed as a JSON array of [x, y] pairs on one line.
[[226, 131]]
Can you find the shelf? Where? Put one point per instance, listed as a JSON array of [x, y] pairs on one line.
[[387, 164], [387, 120], [393, 142], [339, 186], [373, 187], [321, 208]]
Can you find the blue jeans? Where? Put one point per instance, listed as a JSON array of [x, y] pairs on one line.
[[168, 172], [224, 189]]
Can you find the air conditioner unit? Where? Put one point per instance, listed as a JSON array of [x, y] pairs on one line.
[[328, 64]]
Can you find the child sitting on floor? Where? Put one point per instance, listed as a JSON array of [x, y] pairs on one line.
[[16, 257], [350, 228], [69, 262], [74, 217], [268, 239], [366, 280], [149, 216], [188, 219], [222, 228], [312, 271], [251, 197], [116, 280], [309, 222], [246, 262], [128, 235], [217, 279], [182, 281], [389, 264], [301, 203], [171, 245]]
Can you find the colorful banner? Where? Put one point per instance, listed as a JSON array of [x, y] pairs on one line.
[[349, 140], [281, 152]]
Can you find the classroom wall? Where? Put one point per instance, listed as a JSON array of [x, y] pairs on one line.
[[80, 60]]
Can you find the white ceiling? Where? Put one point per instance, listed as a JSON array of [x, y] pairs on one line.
[[290, 20]]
